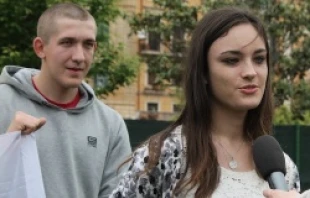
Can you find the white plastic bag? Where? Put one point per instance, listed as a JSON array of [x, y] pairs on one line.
[[20, 171]]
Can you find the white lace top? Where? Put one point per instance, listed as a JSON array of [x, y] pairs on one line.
[[246, 184], [236, 185]]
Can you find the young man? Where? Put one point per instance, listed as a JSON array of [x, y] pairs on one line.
[[83, 141]]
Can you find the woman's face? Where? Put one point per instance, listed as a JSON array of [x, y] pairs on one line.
[[238, 68]]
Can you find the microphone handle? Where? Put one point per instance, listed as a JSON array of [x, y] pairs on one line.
[[276, 180]]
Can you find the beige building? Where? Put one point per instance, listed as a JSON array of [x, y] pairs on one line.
[[141, 100]]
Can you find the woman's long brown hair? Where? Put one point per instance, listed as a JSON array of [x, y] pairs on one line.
[[196, 118]]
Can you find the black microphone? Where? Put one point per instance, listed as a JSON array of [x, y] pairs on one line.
[[269, 161]]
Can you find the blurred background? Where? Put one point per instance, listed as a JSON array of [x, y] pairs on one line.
[[142, 45]]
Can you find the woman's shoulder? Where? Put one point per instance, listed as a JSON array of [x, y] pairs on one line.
[[171, 150], [174, 142], [292, 174], [159, 181]]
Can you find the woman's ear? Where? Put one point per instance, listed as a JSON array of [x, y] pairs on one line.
[[38, 47]]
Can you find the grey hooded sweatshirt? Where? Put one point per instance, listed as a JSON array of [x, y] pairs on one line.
[[80, 149]]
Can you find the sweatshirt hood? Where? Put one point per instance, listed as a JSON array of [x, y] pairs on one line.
[[20, 79]]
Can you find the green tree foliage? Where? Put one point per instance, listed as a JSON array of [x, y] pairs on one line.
[[18, 28], [287, 23], [116, 68], [284, 116], [18, 24], [172, 20]]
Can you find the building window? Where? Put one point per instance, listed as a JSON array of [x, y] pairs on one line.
[[154, 41], [152, 110], [178, 33], [101, 81], [177, 108], [152, 107], [151, 77], [178, 39]]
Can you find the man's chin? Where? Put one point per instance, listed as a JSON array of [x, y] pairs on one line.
[[73, 84]]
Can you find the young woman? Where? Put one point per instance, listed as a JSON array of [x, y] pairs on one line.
[[207, 151]]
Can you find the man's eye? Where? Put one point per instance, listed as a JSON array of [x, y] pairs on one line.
[[66, 43], [90, 44]]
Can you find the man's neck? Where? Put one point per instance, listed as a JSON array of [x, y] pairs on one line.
[[54, 91]]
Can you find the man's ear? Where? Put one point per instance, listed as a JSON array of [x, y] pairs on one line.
[[38, 47], [95, 47]]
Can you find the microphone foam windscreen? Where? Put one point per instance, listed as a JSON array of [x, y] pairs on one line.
[[268, 156]]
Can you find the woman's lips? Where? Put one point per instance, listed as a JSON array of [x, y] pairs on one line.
[[250, 89]]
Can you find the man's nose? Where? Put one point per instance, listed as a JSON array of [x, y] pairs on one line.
[[78, 54]]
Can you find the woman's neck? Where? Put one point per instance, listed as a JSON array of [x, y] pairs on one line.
[[228, 124]]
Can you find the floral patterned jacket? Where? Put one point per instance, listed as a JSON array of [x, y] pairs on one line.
[[163, 178]]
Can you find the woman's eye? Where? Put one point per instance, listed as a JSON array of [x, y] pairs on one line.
[[259, 59], [230, 61]]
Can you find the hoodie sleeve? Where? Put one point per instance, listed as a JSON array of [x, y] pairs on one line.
[[119, 151], [7, 114], [5, 120]]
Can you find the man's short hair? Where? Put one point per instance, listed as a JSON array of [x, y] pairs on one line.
[[46, 23]]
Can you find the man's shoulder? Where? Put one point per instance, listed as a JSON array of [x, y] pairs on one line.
[[6, 87], [103, 107], [106, 111], [7, 91]]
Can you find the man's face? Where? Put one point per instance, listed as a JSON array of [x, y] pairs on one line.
[[69, 52]]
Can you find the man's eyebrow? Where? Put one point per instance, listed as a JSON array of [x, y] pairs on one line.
[[67, 38], [74, 39], [90, 40]]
